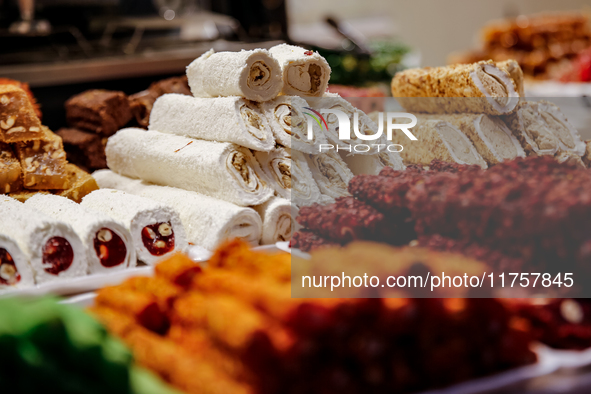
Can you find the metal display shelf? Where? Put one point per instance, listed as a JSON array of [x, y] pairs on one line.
[[161, 61]]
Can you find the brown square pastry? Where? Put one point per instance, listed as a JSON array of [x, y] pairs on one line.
[[18, 121], [81, 184], [141, 103], [43, 162], [10, 170], [83, 148], [100, 111]]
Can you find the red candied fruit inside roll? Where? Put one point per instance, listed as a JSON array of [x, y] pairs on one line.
[[109, 248], [8, 273], [57, 255], [158, 238]]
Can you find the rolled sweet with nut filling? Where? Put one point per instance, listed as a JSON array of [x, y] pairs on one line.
[[531, 130], [304, 189], [290, 125], [156, 229], [357, 120], [15, 270], [276, 166], [216, 169], [34, 242], [108, 243], [482, 88], [304, 72], [208, 221], [438, 139], [491, 137], [254, 75], [568, 136], [210, 119], [330, 173], [278, 222]]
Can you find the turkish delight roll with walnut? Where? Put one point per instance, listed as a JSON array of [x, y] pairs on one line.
[[489, 135], [18, 121], [254, 75], [43, 162], [217, 169], [438, 139], [209, 119], [10, 170], [304, 72], [531, 130], [483, 87]]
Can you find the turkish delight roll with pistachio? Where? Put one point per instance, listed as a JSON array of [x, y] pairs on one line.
[[330, 173], [18, 120], [304, 72], [531, 130], [51, 247], [276, 166], [107, 242], [254, 75], [156, 229], [482, 88], [223, 119], [10, 170], [491, 137], [568, 136], [437, 139], [217, 169], [207, 221]]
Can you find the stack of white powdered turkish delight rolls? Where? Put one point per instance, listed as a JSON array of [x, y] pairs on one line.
[[234, 160]]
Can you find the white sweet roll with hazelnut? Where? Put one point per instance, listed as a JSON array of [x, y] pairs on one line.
[[108, 243], [331, 174], [208, 221], [15, 271], [216, 169], [34, 246], [254, 75], [276, 166], [156, 229], [291, 126], [304, 189], [278, 222], [358, 122], [304, 72], [224, 119]]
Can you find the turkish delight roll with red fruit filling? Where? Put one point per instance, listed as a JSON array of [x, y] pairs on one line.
[[15, 271], [108, 243], [156, 229], [52, 247]]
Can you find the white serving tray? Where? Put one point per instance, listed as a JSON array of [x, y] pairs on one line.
[[84, 284]]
